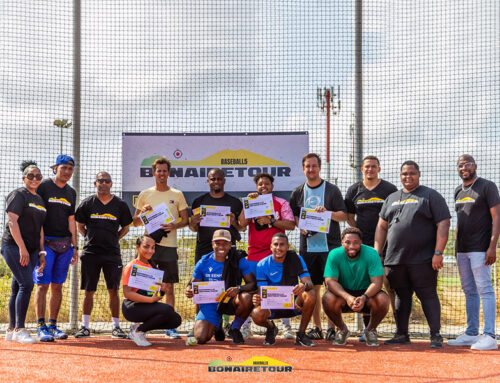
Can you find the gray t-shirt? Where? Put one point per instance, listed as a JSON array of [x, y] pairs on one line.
[[412, 219]]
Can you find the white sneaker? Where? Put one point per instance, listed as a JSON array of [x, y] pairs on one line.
[[463, 340], [287, 332], [139, 338], [9, 335], [485, 342], [246, 331], [23, 336]]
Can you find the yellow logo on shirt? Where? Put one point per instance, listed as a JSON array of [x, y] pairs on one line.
[[111, 217], [370, 200], [38, 207], [62, 201], [465, 200], [405, 202]]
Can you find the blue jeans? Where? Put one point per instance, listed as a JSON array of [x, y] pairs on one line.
[[22, 284], [475, 277]]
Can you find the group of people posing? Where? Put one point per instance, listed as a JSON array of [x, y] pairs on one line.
[[395, 241]]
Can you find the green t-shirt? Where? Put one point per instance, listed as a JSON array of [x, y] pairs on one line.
[[354, 274]]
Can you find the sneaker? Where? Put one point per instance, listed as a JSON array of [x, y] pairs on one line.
[[235, 334], [485, 342], [56, 333], [302, 339], [23, 336], [362, 339], [436, 341], [118, 333], [84, 332], [371, 338], [191, 341], [398, 339], [139, 338], [172, 334], [219, 334], [8, 335], [287, 332], [43, 334], [246, 331], [227, 327], [271, 335], [464, 340], [315, 333], [341, 337], [330, 334]]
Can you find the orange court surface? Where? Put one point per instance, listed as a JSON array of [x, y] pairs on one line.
[[106, 360]]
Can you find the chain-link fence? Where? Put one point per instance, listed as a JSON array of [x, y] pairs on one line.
[[431, 91]]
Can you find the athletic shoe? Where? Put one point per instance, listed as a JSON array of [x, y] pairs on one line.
[[172, 334], [56, 333], [191, 333], [118, 333], [436, 341], [43, 334], [485, 342], [302, 339], [84, 332], [227, 327], [371, 338], [287, 332], [23, 336], [362, 339], [271, 335], [246, 331], [219, 334], [315, 333], [464, 340], [235, 334], [341, 337], [398, 340], [9, 335], [330, 334], [139, 338]]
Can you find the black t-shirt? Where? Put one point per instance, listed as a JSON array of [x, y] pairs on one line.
[[60, 204], [412, 219], [333, 201], [366, 204], [31, 211], [205, 234], [474, 217], [103, 223]]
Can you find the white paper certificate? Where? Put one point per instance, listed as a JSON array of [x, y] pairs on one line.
[[277, 297], [153, 219], [313, 221], [258, 207], [207, 292], [215, 216], [145, 278]]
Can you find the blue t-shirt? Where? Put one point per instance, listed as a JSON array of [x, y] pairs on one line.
[[269, 272], [208, 269]]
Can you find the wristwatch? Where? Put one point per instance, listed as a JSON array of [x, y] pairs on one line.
[[437, 252], [75, 248], [273, 220]]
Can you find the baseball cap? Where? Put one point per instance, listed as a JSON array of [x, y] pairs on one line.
[[64, 159], [222, 234]]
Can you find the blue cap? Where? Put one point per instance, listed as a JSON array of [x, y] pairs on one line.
[[64, 159]]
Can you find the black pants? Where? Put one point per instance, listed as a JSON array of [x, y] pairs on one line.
[[154, 316], [421, 279]]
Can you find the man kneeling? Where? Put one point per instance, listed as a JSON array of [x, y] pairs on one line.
[[285, 268], [354, 277], [228, 265]]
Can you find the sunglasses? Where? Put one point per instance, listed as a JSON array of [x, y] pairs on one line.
[[466, 165], [32, 176], [104, 181]]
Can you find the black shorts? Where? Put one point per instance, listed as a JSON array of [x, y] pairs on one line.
[[315, 263], [403, 276], [91, 272], [165, 258], [355, 293]]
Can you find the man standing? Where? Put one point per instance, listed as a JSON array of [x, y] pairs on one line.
[[165, 257], [286, 268], [61, 245], [415, 221], [103, 219], [477, 204], [261, 232], [354, 277], [364, 200], [215, 197], [322, 196]]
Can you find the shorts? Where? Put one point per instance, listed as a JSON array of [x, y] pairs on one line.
[[315, 263], [283, 313], [355, 293], [165, 258], [421, 275], [56, 267], [91, 271], [208, 312]]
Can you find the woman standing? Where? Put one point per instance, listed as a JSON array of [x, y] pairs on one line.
[[144, 306], [22, 248]]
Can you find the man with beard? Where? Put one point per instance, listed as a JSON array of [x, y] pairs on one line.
[[477, 204]]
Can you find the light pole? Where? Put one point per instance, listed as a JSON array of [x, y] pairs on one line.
[[328, 100], [62, 124]]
